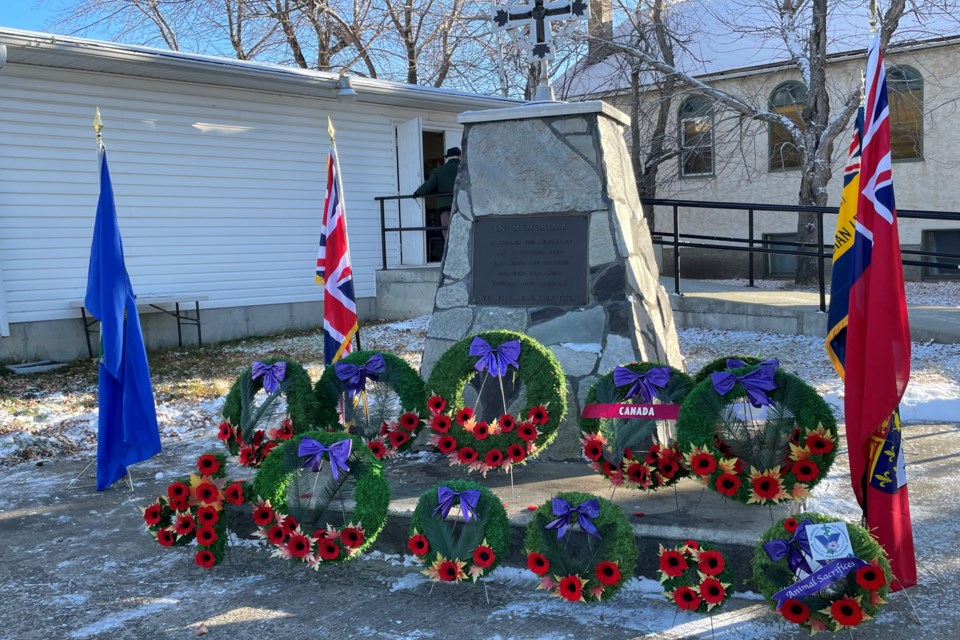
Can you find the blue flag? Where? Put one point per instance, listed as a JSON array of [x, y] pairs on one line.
[[127, 430]]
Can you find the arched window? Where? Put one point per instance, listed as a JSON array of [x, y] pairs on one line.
[[695, 132], [786, 99], [905, 96]]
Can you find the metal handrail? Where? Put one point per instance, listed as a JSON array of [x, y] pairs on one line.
[[384, 229], [676, 240]]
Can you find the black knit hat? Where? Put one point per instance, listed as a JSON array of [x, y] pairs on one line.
[[452, 151]]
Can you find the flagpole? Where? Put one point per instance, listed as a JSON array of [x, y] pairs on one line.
[[333, 143]]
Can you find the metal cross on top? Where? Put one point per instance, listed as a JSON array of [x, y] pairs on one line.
[[529, 23]]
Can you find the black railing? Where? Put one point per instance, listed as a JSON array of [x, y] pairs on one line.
[[678, 240], [400, 230]]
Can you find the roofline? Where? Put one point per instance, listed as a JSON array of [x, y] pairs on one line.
[[291, 80]]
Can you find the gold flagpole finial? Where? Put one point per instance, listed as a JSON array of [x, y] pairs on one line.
[[330, 130], [873, 16], [98, 124]]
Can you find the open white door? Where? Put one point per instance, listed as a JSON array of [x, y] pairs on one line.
[[410, 175]]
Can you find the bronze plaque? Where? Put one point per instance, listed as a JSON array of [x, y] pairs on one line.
[[530, 261]]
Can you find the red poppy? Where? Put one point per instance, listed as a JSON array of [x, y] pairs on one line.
[[592, 449], [208, 465], [276, 535], [483, 556], [571, 588], [418, 545], [440, 423], [234, 493], [638, 473], [448, 571], [652, 454], [703, 464], [818, 445], [727, 484], [247, 458], [436, 404], [179, 505], [507, 423], [608, 573], [165, 537], [409, 421], [527, 431], [267, 448], [871, 578], [608, 469], [289, 523], [384, 429], [205, 559], [328, 549], [481, 430], [377, 449], [805, 470], [185, 524], [467, 455], [463, 415], [299, 546], [262, 515], [672, 563], [258, 437], [399, 438], [494, 458], [668, 467], [795, 611], [711, 563], [847, 612], [285, 432], [351, 537], [538, 415], [790, 524], [447, 444], [178, 492], [516, 453], [225, 432], [766, 486], [693, 544], [712, 591], [538, 563], [151, 514], [208, 515], [206, 536], [206, 492], [686, 598]]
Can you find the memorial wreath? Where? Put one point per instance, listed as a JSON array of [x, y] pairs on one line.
[[695, 576]]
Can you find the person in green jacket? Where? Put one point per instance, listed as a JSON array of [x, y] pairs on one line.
[[441, 180]]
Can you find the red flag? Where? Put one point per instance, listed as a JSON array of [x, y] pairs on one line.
[[878, 341], [333, 270]]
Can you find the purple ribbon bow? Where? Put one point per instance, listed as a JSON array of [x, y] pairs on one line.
[[586, 511], [495, 359], [644, 384], [338, 453], [736, 363], [468, 502], [793, 549], [356, 376], [756, 383], [272, 374]]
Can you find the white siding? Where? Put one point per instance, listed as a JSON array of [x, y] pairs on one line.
[[218, 191]]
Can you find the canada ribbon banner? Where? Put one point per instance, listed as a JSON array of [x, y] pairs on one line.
[[632, 411]]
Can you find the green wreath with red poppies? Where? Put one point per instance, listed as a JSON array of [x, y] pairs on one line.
[[470, 546], [482, 443], [296, 503], [386, 413], [695, 577], [757, 455], [572, 562], [833, 606], [627, 451]]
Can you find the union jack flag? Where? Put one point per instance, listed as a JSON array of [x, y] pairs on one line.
[[334, 273], [877, 358]]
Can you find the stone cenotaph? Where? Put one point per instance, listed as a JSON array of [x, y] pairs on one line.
[[547, 237]]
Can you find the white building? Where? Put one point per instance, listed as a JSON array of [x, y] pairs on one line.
[[218, 167]]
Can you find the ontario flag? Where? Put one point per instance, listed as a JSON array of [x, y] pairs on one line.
[[333, 270], [877, 360]]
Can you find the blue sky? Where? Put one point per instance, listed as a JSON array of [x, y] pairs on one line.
[[34, 15]]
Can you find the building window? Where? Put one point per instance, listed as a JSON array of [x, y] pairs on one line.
[[942, 241], [695, 132], [780, 264], [905, 97], [787, 99]]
